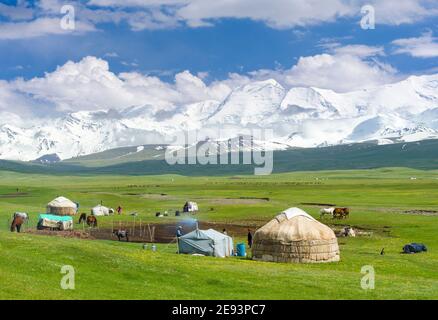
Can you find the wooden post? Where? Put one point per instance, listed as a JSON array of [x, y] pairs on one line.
[[141, 233]]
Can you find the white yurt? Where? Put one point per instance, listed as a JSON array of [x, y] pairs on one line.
[[100, 210], [295, 236], [62, 206]]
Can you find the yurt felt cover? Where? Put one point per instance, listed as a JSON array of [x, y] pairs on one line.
[[206, 242], [62, 206], [295, 236]]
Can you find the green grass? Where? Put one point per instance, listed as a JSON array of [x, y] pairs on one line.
[[30, 264]]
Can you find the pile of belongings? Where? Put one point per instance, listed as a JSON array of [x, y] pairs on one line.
[[54, 222], [414, 248]]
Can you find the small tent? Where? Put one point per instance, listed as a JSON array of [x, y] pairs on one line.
[[295, 236], [190, 206], [50, 221], [100, 210], [207, 242], [62, 206]]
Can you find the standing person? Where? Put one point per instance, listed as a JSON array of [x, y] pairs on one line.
[[249, 238], [225, 232], [119, 210], [179, 232]]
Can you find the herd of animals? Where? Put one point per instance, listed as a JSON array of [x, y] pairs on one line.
[[336, 213]]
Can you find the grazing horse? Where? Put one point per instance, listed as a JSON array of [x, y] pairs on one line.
[[18, 219], [341, 213], [120, 234], [325, 211], [82, 218], [92, 221]]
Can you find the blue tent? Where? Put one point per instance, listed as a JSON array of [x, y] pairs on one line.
[[207, 242]]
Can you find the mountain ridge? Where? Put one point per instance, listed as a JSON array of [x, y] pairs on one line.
[[302, 117]]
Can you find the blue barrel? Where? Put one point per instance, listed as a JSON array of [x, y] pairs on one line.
[[241, 250]]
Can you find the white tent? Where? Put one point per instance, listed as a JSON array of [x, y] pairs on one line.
[[207, 242], [100, 210]]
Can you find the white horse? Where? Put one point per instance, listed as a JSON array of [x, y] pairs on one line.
[[325, 211]]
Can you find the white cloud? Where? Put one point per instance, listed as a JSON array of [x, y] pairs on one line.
[[111, 55], [282, 13], [339, 72], [90, 85], [397, 12], [278, 13], [162, 14], [340, 68], [40, 27], [357, 50], [425, 46], [19, 12]]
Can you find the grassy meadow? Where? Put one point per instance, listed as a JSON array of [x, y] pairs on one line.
[[380, 201]]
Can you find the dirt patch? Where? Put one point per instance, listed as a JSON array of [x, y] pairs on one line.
[[318, 204], [14, 195], [232, 201], [422, 212], [166, 232], [158, 196], [63, 234]]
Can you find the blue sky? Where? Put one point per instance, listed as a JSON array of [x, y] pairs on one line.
[[190, 50], [230, 45]]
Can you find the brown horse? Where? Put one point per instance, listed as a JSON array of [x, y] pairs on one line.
[[17, 221], [341, 213], [92, 221]]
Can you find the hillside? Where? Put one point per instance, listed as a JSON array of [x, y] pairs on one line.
[[149, 160]]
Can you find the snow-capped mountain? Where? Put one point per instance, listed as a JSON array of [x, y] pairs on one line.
[[299, 117]]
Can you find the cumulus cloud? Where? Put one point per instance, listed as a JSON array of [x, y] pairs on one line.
[[425, 46], [340, 72], [339, 68], [90, 85]]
